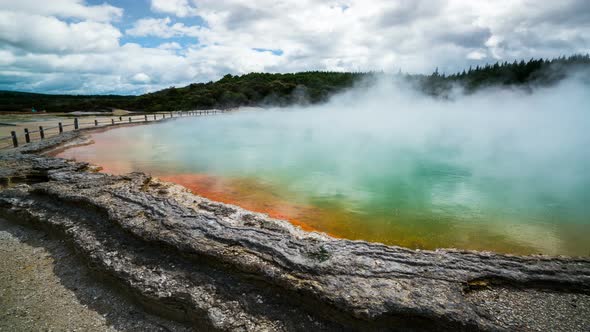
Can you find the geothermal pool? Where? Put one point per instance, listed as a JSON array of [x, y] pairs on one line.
[[420, 181]]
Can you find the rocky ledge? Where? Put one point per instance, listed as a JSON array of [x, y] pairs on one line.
[[219, 267]]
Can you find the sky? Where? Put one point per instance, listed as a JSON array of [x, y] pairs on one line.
[[138, 46]]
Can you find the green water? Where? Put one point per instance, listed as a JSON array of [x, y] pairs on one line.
[[420, 182]]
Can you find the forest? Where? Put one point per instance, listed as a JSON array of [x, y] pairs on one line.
[[266, 89]]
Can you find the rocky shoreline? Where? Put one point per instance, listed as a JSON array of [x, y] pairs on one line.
[[219, 267]]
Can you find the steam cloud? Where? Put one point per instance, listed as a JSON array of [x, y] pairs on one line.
[[523, 138]]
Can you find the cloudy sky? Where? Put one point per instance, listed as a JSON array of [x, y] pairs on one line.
[[135, 46]]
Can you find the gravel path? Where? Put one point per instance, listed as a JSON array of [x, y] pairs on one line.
[[45, 287], [534, 310]]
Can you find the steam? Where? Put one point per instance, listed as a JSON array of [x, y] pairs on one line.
[[531, 146], [512, 135]]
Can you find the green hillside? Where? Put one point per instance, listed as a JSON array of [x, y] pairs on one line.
[[260, 89]]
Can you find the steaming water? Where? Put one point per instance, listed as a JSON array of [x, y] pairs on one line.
[[469, 176]]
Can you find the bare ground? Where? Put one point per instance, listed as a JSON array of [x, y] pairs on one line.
[[44, 286]]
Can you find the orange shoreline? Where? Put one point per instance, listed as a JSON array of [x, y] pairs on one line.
[[241, 193], [231, 192]]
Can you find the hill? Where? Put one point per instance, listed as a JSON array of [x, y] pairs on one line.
[[256, 89]]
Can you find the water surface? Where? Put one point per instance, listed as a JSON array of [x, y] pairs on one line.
[[417, 182]]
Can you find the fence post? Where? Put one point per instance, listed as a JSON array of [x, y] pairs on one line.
[[146, 118], [61, 128], [27, 136], [129, 119], [75, 123], [154, 117], [14, 139], [41, 132], [120, 118], [95, 122]]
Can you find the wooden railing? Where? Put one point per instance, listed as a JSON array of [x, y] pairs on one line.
[[28, 136]]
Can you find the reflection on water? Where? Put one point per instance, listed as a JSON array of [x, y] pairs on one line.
[[419, 189]]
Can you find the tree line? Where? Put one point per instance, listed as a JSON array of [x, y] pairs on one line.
[[261, 89]]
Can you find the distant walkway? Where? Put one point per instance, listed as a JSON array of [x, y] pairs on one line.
[[16, 139]]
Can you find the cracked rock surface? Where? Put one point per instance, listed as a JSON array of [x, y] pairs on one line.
[[220, 267]]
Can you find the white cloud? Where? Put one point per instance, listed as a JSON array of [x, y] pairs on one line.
[[415, 35], [112, 72], [141, 78], [63, 8], [170, 46], [161, 28], [476, 55], [48, 34], [180, 8], [41, 43]]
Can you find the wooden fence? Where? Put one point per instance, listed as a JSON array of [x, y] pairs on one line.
[[27, 136]]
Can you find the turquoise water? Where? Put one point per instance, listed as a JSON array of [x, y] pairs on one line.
[[423, 180]]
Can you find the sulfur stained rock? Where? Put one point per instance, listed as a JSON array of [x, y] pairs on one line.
[[220, 267]]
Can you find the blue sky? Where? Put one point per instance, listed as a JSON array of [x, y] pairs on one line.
[[132, 47], [136, 10]]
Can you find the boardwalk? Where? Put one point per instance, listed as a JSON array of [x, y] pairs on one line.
[[22, 133]]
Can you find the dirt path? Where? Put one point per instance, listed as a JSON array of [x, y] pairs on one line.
[[45, 287]]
